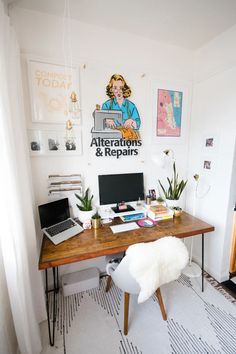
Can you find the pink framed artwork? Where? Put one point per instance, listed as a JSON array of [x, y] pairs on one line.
[[169, 113]]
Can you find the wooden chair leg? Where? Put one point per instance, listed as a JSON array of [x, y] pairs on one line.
[[126, 313], [108, 283], [159, 297]]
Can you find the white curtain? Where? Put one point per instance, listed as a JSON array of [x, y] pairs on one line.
[[17, 230]]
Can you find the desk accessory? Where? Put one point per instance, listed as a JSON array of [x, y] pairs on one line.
[[82, 280], [146, 222], [133, 217]]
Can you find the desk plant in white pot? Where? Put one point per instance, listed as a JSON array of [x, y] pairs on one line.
[[174, 189], [86, 210]]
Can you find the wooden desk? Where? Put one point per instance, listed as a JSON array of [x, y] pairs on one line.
[[94, 243]]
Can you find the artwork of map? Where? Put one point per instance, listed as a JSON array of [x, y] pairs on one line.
[[169, 112]]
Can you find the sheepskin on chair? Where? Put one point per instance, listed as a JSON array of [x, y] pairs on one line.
[[155, 263]]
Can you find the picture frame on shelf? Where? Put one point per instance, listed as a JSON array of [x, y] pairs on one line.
[[36, 142], [170, 112], [55, 141], [50, 87]]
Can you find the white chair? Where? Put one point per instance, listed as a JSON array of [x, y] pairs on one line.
[[145, 268], [113, 258]]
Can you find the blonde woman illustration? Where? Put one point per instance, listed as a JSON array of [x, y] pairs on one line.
[[118, 91]]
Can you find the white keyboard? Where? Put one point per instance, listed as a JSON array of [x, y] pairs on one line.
[[124, 227]]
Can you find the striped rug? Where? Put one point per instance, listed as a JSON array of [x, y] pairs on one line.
[[91, 322]]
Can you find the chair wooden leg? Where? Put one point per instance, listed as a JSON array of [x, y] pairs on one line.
[[159, 297], [108, 283], [126, 313]]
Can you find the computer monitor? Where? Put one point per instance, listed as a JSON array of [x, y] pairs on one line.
[[126, 187]]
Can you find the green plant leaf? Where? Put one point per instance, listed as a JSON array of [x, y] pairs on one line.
[[175, 186], [85, 200]]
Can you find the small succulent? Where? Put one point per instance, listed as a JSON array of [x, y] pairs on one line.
[[160, 200], [96, 216]]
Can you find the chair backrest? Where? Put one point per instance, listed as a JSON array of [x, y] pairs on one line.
[[122, 278]]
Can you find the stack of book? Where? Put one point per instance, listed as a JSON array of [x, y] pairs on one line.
[[160, 212]]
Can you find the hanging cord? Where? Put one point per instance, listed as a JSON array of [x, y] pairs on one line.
[[67, 51]]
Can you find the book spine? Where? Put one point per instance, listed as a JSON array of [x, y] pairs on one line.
[[160, 217]]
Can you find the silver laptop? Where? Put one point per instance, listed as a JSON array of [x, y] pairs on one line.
[[56, 223]]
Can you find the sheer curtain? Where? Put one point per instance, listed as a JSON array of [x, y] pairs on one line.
[[17, 233]]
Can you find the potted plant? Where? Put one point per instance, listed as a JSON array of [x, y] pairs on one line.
[[174, 188], [86, 210], [96, 221], [177, 211], [160, 200]]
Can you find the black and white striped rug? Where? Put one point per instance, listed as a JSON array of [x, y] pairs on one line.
[[92, 322]]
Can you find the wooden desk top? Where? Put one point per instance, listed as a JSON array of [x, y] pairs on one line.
[[94, 243]]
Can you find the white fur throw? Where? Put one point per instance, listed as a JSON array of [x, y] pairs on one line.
[[155, 263]]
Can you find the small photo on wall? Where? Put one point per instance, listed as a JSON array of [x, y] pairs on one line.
[[207, 165], [36, 142], [56, 142], [209, 142]]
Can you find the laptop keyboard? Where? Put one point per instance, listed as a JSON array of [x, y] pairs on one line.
[[56, 229]]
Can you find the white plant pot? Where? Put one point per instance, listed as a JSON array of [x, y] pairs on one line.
[[173, 203], [86, 215]]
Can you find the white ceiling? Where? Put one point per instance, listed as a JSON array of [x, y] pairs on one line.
[[185, 23]]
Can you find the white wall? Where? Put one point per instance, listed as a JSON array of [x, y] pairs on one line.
[[104, 53], [214, 115]]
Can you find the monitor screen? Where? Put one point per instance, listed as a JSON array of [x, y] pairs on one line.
[[54, 212], [126, 187]]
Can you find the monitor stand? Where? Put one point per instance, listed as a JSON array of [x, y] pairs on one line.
[[117, 210]]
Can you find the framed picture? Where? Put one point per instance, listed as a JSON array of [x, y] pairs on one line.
[[36, 142], [51, 86], [55, 142], [207, 165], [210, 143], [152, 194], [170, 112]]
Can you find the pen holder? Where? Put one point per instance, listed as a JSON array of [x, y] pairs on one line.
[[96, 223]]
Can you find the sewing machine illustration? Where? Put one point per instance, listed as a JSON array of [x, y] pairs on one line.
[[100, 128]]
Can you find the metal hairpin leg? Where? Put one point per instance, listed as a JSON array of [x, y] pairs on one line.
[[55, 291], [202, 262]]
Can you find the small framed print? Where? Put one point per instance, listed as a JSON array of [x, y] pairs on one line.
[[51, 86], [209, 143], [152, 194], [36, 142], [57, 142], [207, 165]]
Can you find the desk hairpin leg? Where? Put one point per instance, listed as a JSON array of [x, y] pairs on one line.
[[202, 262], [55, 291]]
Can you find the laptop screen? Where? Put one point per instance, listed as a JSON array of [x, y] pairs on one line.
[[54, 212]]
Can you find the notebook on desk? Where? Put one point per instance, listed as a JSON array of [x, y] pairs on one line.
[[56, 223]]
